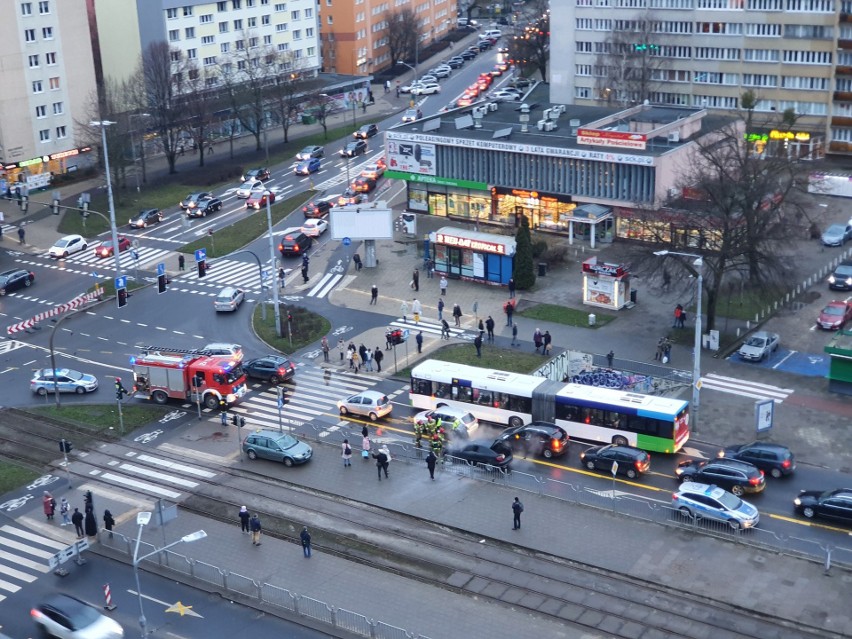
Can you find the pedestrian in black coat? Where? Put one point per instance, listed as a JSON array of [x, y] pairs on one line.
[[374, 294], [478, 343], [256, 528], [305, 536], [181, 262], [489, 326], [431, 460], [512, 287], [378, 356], [419, 340], [109, 522], [517, 509], [457, 314], [244, 519], [546, 340], [77, 520], [415, 279], [382, 462]]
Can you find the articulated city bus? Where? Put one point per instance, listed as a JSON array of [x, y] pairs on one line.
[[605, 415]]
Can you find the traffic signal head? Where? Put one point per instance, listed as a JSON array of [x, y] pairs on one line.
[[65, 446], [202, 268], [234, 419], [242, 422]]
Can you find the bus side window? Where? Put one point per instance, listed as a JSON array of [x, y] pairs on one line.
[[441, 390], [520, 404], [612, 420], [484, 398], [421, 386], [567, 412], [465, 393]]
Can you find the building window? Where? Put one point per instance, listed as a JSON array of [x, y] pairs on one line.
[[207, 18], [174, 55], [252, 42], [252, 22], [44, 7], [330, 20], [54, 84], [309, 32], [240, 45], [47, 33], [309, 13], [191, 54], [281, 6], [281, 27], [241, 65], [174, 35], [312, 51], [33, 61], [582, 92], [41, 111], [224, 47], [60, 133], [249, 4], [208, 40], [222, 5], [267, 39], [266, 20], [26, 8], [29, 35], [58, 108], [210, 61], [284, 46], [187, 11], [235, 4], [223, 27], [295, 15], [38, 87], [238, 25], [190, 33], [44, 135], [50, 58], [297, 34], [171, 14]]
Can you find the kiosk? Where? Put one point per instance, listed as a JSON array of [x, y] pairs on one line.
[[470, 255], [605, 285]]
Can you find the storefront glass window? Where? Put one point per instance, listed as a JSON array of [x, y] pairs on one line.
[[467, 264], [417, 199], [438, 204], [441, 258]]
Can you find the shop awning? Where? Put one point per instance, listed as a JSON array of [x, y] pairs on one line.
[[474, 240], [588, 213]]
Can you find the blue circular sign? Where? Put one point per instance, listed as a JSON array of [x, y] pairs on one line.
[[346, 241]]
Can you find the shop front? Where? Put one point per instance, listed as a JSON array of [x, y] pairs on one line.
[[605, 285], [37, 173], [470, 255]]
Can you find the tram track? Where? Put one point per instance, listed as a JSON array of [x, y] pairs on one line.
[[452, 559]]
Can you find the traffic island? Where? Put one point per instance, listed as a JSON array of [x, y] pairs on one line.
[[299, 328]]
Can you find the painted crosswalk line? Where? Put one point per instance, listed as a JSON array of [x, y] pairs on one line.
[[744, 388], [23, 557]]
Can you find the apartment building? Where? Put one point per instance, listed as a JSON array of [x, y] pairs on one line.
[[792, 54], [47, 82], [212, 33], [355, 32]]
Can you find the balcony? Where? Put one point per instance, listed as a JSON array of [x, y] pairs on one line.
[[841, 121], [844, 44], [843, 96], [840, 147], [840, 70]]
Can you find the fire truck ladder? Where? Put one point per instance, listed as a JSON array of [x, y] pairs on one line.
[[177, 351]]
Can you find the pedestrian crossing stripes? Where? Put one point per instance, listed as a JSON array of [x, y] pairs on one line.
[[744, 388], [324, 286], [23, 557], [147, 256], [226, 272], [428, 326], [313, 392]]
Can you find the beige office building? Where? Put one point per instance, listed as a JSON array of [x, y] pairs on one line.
[[46, 81], [793, 54]]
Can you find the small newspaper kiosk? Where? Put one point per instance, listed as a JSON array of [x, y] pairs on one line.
[[605, 285], [474, 256]]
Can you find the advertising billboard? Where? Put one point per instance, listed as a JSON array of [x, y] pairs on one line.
[[411, 157]]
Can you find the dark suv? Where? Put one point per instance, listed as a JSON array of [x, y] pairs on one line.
[[537, 438], [774, 459], [631, 461], [737, 476], [294, 244], [317, 208], [841, 279]]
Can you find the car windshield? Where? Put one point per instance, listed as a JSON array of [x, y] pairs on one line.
[[286, 441], [843, 271], [82, 616], [467, 418], [224, 296], [835, 229], [63, 243], [834, 310], [247, 185], [730, 501], [756, 341]]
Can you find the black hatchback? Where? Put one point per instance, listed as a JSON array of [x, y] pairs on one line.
[[841, 279], [631, 461], [145, 217], [15, 279], [737, 476], [774, 459], [536, 438]]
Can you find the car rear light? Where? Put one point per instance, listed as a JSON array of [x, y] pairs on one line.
[[280, 247], [674, 496], [756, 481], [786, 463], [500, 458]]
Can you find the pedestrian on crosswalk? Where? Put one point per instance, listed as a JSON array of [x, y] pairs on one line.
[[403, 309], [440, 309], [341, 346], [368, 359], [416, 309], [109, 522], [324, 346], [374, 295], [77, 520], [65, 511], [378, 356], [256, 528], [445, 329], [244, 519]]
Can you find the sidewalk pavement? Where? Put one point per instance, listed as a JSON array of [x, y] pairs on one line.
[[698, 565]]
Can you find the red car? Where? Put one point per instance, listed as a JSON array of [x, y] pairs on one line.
[[258, 199], [835, 315], [106, 249]]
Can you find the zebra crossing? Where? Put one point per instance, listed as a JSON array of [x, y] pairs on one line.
[[325, 285], [744, 388], [225, 272], [145, 473], [23, 557], [147, 256], [311, 393], [430, 327]]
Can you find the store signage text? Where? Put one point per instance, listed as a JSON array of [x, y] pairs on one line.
[[530, 149], [434, 179], [619, 139], [468, 243], [615, 270]]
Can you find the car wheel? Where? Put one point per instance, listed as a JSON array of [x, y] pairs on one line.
[[27, 282], [590, 465], [251, 454], [211, 402], [808, 512], [684, 511], [41, 392], [65, 254], [631, 473], [160, 397], [288, 462], [547, 453], [373, 417], [344, 410], [734, 524], [85, 246], [274, 379], [776, 473], [515, 421], [619, 441], [80, 390], [737, 490], [684, 478]]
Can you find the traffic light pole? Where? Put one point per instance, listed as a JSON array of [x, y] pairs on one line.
[[66, 446]]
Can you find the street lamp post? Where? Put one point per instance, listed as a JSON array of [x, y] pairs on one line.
[[104, 124], [141, 147], [696, 358], [142, 520], [274, 278], [413, 68]]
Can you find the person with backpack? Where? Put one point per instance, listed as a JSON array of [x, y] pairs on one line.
[[347, 454], [517, 509], [254, 524]]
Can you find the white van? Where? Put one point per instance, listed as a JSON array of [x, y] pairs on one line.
[[491, 34]]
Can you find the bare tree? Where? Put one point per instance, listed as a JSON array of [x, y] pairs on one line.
[[287, 94], [531, 49], [200, 101], [631, 65], [323, 106], [248, 78], [741, 208], [165, 78], [403, 33]]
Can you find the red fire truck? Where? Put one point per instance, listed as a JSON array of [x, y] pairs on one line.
[[161, 373]]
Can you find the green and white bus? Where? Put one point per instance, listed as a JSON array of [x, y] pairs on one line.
[[595, 414]]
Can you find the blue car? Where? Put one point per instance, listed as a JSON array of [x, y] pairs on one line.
[[64, 380], [306, 167]]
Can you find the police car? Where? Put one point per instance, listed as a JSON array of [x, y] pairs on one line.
[[711, 502], [455, 422]]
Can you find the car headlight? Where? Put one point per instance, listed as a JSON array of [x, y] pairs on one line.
[[797, 502]]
